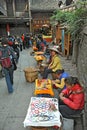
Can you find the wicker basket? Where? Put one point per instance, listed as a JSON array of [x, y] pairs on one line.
[[30, 74]]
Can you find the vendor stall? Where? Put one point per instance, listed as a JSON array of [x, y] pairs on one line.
[[43, 87], [42, 112]]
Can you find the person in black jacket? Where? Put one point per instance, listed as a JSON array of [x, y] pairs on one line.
[[7, 52]]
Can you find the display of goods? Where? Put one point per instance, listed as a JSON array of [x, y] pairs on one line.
[[43, 83], [39, 53], [47, 38], [30, 74], [43, 86], [39, 57]]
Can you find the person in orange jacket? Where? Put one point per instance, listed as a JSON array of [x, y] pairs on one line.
[[71, 100]]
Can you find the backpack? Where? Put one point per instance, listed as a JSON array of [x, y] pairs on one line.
[[5, 59]]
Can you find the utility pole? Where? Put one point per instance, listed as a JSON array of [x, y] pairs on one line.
[[29, 11]]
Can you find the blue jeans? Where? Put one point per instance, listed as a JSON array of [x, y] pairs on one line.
[[9, 79]]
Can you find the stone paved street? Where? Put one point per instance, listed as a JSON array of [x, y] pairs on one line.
[[13, 107]]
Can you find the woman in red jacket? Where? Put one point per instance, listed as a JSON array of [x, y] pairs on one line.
[[72, 98]]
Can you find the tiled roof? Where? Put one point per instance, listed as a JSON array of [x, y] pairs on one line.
[[45, 5]]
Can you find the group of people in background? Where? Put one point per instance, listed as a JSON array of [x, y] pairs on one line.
[[10, 48]]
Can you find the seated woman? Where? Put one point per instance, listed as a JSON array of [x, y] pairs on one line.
[[60, 77], [72, 98], [55, 63]]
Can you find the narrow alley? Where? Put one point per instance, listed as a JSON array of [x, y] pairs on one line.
[[13, 107]]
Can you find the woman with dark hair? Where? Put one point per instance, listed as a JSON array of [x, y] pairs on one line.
[[72, 98]]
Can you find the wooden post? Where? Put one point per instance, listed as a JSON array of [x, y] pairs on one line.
[[8, 29]]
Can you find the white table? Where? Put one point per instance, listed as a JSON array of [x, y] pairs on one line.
[[40, 112]]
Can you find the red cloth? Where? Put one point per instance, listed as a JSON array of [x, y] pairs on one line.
[[22, 37], [74, 101], [55, 127]]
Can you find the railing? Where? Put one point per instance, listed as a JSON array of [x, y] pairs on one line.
[[68, 8]]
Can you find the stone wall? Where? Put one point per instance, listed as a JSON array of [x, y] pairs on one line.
[[82, 58], [44, 4], [82, 67]]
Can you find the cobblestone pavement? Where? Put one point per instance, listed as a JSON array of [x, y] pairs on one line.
[[13, 107]]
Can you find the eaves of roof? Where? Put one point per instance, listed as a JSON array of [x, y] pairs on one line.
[[13, 20]]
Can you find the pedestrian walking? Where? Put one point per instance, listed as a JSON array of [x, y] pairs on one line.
[[20, 43], [6, 56], [23, 40]]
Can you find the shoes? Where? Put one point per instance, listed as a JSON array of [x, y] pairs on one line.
[[10, 92]]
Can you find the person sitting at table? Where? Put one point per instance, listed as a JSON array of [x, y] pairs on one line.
[[71, 99], [55, 63], [60, 77]]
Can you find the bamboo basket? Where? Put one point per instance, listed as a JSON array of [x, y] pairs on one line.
[[30, 74]]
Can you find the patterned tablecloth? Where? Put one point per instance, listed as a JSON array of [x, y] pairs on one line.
[[42, 112], [43, 86]]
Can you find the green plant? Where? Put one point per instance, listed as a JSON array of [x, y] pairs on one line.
[[75, 20]]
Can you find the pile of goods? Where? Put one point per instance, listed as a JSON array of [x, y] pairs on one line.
[[39, 57]]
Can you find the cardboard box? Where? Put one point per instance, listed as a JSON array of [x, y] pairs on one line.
[[39, 128]]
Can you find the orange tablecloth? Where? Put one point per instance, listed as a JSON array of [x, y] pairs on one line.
[[43, 86]]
